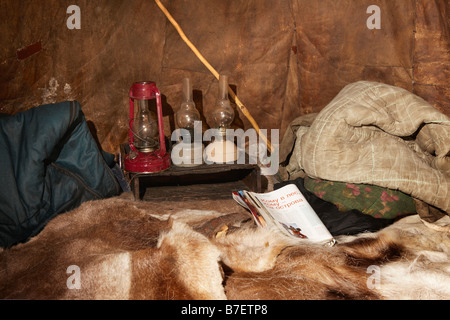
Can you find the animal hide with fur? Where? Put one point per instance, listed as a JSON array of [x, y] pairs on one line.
[[123, 249]]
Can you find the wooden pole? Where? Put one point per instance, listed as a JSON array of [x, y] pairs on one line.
[[214, 72]]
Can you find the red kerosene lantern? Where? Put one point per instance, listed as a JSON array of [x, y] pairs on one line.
[[147, 154]]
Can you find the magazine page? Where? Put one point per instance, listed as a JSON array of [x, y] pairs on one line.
[[289, 209], [245, 202]]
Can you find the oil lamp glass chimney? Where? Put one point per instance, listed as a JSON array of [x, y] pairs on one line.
[[145, 128], [187, 152], [222, 150], [223, 114], [187, 114]]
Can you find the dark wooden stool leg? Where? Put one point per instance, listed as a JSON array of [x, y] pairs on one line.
[[136, 188]]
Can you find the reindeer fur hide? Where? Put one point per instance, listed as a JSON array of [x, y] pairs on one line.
[[125, 249]]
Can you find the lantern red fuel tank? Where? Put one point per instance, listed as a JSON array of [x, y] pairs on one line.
[[147, 152]]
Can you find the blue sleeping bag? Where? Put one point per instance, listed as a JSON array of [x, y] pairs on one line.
[[49, 164]]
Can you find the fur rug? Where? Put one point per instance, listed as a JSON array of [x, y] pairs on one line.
[[122, 249]]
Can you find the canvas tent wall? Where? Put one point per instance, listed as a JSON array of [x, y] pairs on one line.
[[284, 58]]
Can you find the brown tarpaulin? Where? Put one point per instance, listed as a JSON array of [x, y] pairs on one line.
[[284, 58]]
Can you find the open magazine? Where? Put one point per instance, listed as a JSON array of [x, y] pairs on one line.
[[288, 210]]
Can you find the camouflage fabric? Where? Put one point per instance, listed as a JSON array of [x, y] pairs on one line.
[[369, 199]]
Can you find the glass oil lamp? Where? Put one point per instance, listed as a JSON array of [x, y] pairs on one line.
[[147, 152], [222, 150], [188, 151]]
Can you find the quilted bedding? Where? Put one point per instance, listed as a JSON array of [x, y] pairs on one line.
[[378, 134]]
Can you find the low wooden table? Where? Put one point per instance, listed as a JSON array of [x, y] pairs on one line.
[[203, 181]]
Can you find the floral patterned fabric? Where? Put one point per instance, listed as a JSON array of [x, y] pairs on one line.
[[373, 200]]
